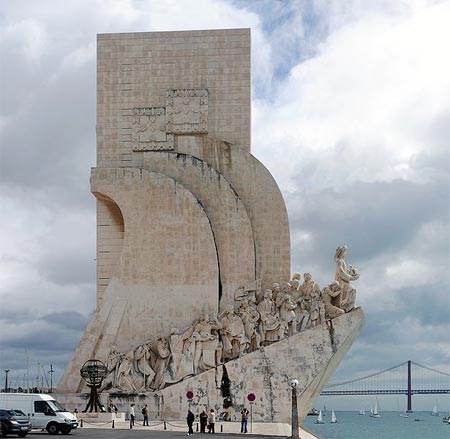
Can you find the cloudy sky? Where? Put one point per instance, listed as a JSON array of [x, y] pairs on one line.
[[351, 114]]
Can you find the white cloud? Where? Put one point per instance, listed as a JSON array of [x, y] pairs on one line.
[[359, 105]]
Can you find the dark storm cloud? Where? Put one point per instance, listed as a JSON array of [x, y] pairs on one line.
[[429, 304], [370, 217], [51, 143], [66, 269], [68, 319], [41, 334]]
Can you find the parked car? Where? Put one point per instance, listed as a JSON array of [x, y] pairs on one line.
[[14, 422]]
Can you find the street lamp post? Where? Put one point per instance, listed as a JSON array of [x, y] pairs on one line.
[[6, 379], [51, 371], [295, 433]]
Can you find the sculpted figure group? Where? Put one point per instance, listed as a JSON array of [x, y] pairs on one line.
[[257, 319]]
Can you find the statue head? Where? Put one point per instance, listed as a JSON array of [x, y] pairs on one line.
[[229, 310], [334, 286], [268, 294], [275, 287], [340, 252], [286, 287], [244, 304], [296, 276], [307, 277]]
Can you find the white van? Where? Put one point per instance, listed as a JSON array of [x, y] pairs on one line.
[[44, 411]]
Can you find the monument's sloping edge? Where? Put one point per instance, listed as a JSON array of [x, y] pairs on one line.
[[109, 316]]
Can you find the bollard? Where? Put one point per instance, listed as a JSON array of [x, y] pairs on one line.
[[165, 426], [81, 423], [196, 429], [221, 428], [113, 424]]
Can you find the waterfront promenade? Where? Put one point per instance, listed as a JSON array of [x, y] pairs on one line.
[[179, 428]]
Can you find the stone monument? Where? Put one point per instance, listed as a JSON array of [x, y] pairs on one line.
[[194, 288]]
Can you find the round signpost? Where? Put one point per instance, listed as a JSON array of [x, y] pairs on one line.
[[189, 396], [251, 399]]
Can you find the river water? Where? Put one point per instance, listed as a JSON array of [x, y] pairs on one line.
[[390, 425]]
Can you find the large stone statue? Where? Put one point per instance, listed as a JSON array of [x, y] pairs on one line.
[[310, 291], [143, 358], [112, 363], [332, 300], [181, 362], [162, 358], [344, 275], [270, 322], [125, 374], [206, 343], [233, 335], [250, 316], [286, 307]]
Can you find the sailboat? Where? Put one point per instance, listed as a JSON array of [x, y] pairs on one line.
[[435, 411], [333, 418], [362, 412], [319, 419], [324, 411], [375, 413], [398, 408]]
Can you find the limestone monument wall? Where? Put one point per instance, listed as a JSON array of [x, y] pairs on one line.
[[194, 287]]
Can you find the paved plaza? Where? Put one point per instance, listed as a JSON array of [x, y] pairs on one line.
[[179, 429]]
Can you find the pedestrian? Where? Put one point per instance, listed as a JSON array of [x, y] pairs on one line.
[[132, 415], [190, 418], [244, 420], [203, 421], [145, 414], [211, 421]]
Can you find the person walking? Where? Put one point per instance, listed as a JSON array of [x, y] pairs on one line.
[[244, 420], [203, 421], [132, 415], [145, 414], [212, 421], [190, 418]]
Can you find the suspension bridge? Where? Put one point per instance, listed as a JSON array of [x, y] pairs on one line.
[[408, 378]]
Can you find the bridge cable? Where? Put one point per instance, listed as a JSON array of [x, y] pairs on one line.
[[432, 370], [366, 377]]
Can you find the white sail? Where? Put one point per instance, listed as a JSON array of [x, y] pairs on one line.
[[333, 417], [319, 418], [362, 412], [398, 408], [435, 411], [375, 413]]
